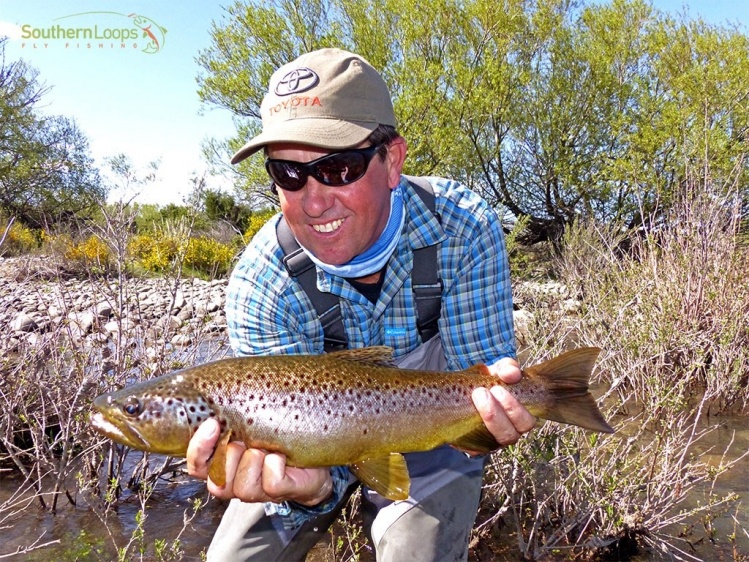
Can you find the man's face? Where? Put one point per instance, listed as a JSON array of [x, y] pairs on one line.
[[337, 223]]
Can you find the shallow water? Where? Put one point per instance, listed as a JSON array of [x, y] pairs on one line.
[[77, 533]]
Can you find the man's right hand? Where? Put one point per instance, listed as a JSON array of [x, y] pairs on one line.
[[253, 475]]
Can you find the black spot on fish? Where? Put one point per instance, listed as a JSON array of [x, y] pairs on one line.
[[169, 402], [192, 409], [285, 402], [202, 408], [250, 421], [365, 431]]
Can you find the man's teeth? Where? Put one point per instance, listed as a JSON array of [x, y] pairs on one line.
[[329, 227]]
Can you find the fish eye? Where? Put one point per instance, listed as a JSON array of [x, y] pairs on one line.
[[132, 407]]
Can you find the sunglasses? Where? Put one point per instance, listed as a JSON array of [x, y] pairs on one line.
[[336, 169]]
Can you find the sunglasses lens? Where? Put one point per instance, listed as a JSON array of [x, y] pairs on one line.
[[341, 168], [287, 175]]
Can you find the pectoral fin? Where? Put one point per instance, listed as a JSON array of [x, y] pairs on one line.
[[388, 476], [478, 440], [217, 463]]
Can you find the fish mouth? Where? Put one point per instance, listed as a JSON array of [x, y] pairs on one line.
[[115, 433]]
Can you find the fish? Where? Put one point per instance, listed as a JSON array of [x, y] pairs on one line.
[[347, 408]]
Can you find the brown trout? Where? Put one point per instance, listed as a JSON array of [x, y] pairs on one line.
[[349, 408]]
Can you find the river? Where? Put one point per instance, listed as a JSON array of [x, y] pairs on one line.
[[76, 533]]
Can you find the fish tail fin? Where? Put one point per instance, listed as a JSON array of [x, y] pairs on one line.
[[566, 378]]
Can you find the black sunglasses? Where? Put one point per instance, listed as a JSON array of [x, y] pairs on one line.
[[338, 168]]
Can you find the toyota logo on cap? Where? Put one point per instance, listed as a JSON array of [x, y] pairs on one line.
[[296, 81]]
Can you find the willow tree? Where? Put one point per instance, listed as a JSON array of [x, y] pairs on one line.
[[551, 109], [46, 172]]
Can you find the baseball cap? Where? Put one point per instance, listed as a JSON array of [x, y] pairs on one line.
[[328, 98]]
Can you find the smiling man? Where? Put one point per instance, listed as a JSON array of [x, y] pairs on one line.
[[361, 255]]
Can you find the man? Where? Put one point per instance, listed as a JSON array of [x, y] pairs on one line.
[[335, 158]]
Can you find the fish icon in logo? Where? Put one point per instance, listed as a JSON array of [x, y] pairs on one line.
[[152, 30]]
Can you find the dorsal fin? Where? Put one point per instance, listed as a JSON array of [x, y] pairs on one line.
[[377, 355]]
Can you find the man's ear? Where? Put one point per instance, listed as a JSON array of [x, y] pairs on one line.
[[396, 156]]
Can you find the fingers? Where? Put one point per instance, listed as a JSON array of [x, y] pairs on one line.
[[235, 456], [504, 417], [253, 475], [201, 448]]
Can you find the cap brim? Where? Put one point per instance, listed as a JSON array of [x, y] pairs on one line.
[[333, 134]]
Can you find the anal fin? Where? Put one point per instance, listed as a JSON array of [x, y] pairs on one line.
[[217, 463], [388, 476]]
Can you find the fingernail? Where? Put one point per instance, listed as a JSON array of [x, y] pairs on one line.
[[481, 397], [499, 393]]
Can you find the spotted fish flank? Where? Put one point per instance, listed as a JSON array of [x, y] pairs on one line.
[[345, 408]]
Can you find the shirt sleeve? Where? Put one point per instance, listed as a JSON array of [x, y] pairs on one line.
[[476, 322]]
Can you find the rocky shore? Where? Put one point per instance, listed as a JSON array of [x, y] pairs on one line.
[[35, 300]]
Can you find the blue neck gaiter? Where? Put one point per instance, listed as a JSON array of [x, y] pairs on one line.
[[374, 258]]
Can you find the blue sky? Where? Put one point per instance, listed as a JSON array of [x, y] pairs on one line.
[[145, 105]]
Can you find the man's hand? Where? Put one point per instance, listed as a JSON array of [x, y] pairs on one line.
[[504, 417], [253, 475]]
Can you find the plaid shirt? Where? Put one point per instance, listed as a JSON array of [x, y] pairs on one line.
[[268, 312]]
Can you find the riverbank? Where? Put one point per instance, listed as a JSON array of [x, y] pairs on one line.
[[36, 299]]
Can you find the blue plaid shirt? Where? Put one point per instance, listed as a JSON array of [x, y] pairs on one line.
[[268, 313]]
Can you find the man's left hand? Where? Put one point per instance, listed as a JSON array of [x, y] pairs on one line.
[[504, 416]]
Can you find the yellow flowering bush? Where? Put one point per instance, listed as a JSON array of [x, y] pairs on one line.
[[201, 253], [257, 220], [91, 252], [208, 255], [19, 240], [154, 254]]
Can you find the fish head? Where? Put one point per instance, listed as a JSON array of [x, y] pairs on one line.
[[156, 416]]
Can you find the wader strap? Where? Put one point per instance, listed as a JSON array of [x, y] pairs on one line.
[[326, 305], [425, 280]]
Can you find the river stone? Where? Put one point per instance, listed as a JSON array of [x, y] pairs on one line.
[[104, 310], [24, 323]]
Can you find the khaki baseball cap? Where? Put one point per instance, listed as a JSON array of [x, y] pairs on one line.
[[328, 98]]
